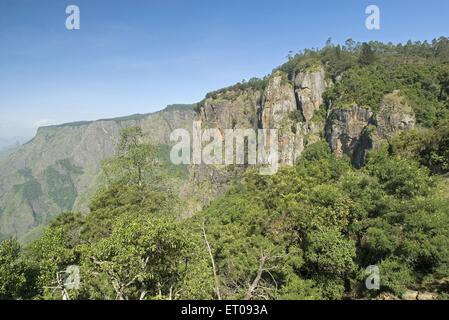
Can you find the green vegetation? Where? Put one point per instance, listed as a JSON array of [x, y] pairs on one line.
[[59, 180], [429, 147], [364, 73], [296, 116], [16, 275], [253, 83], [307, 232], [179, 107], [31, 188]]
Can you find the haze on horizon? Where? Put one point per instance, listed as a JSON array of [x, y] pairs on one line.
[[137, 59]]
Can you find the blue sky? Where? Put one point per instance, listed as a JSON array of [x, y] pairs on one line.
[[136, 56]]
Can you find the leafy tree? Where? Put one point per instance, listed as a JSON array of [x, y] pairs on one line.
[[366, 54], [136, 161], [144, 257], [51, 255], [443, 78], [399, 176], [13, 271]]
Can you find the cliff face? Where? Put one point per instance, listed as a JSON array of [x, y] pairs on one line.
[[354, 130], [309, 89], [286, 104], [279, 104], [295, 107], [58, 170], [231, 109], [345, 127], [394, 116]]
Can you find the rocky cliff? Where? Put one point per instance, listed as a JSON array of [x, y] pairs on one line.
[[294, 105], [353, 130], [58, 170], [286, 104]]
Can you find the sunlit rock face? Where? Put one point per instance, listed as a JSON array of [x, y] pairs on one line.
[[310, 87], [394, 116], [345, 128], [354, 130]]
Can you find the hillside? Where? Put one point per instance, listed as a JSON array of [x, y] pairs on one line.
[[363, 136], [58, 169]]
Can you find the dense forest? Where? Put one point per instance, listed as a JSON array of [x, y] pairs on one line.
[[307, 232]]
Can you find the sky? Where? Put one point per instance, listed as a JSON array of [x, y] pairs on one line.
[[137, 56]]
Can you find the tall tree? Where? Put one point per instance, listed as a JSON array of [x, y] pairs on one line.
[[136, 160], [367, 56], [12, 270]]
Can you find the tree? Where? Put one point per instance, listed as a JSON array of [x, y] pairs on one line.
[[145, 257], [399, 176], [136, 161], [443, 78], [367, 56], [136, 184], [13, 278], [50, 255]]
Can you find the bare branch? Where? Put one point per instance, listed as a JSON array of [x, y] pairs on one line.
[[217, 281], [255, 283]]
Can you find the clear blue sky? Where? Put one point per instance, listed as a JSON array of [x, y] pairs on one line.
[[136, 56]]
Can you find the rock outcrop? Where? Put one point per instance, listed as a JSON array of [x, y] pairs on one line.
[[287, 105], [279, 104], [416, 295], [394, 116], [354, 130], [231, 109], [310, 87], [345, 127]]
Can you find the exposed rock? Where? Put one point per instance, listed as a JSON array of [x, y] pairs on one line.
[[231, 109], [345, 127], [394, 116], [285, 105], [427, 296], [416, 295], [387, 296], [355, 130], [310, 87], [278, 104], [410, 295]]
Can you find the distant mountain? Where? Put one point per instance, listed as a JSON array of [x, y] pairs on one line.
[[57, 170]]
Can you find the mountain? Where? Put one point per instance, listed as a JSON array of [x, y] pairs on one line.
[[326, 95], [58, 169], [358, 209]]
